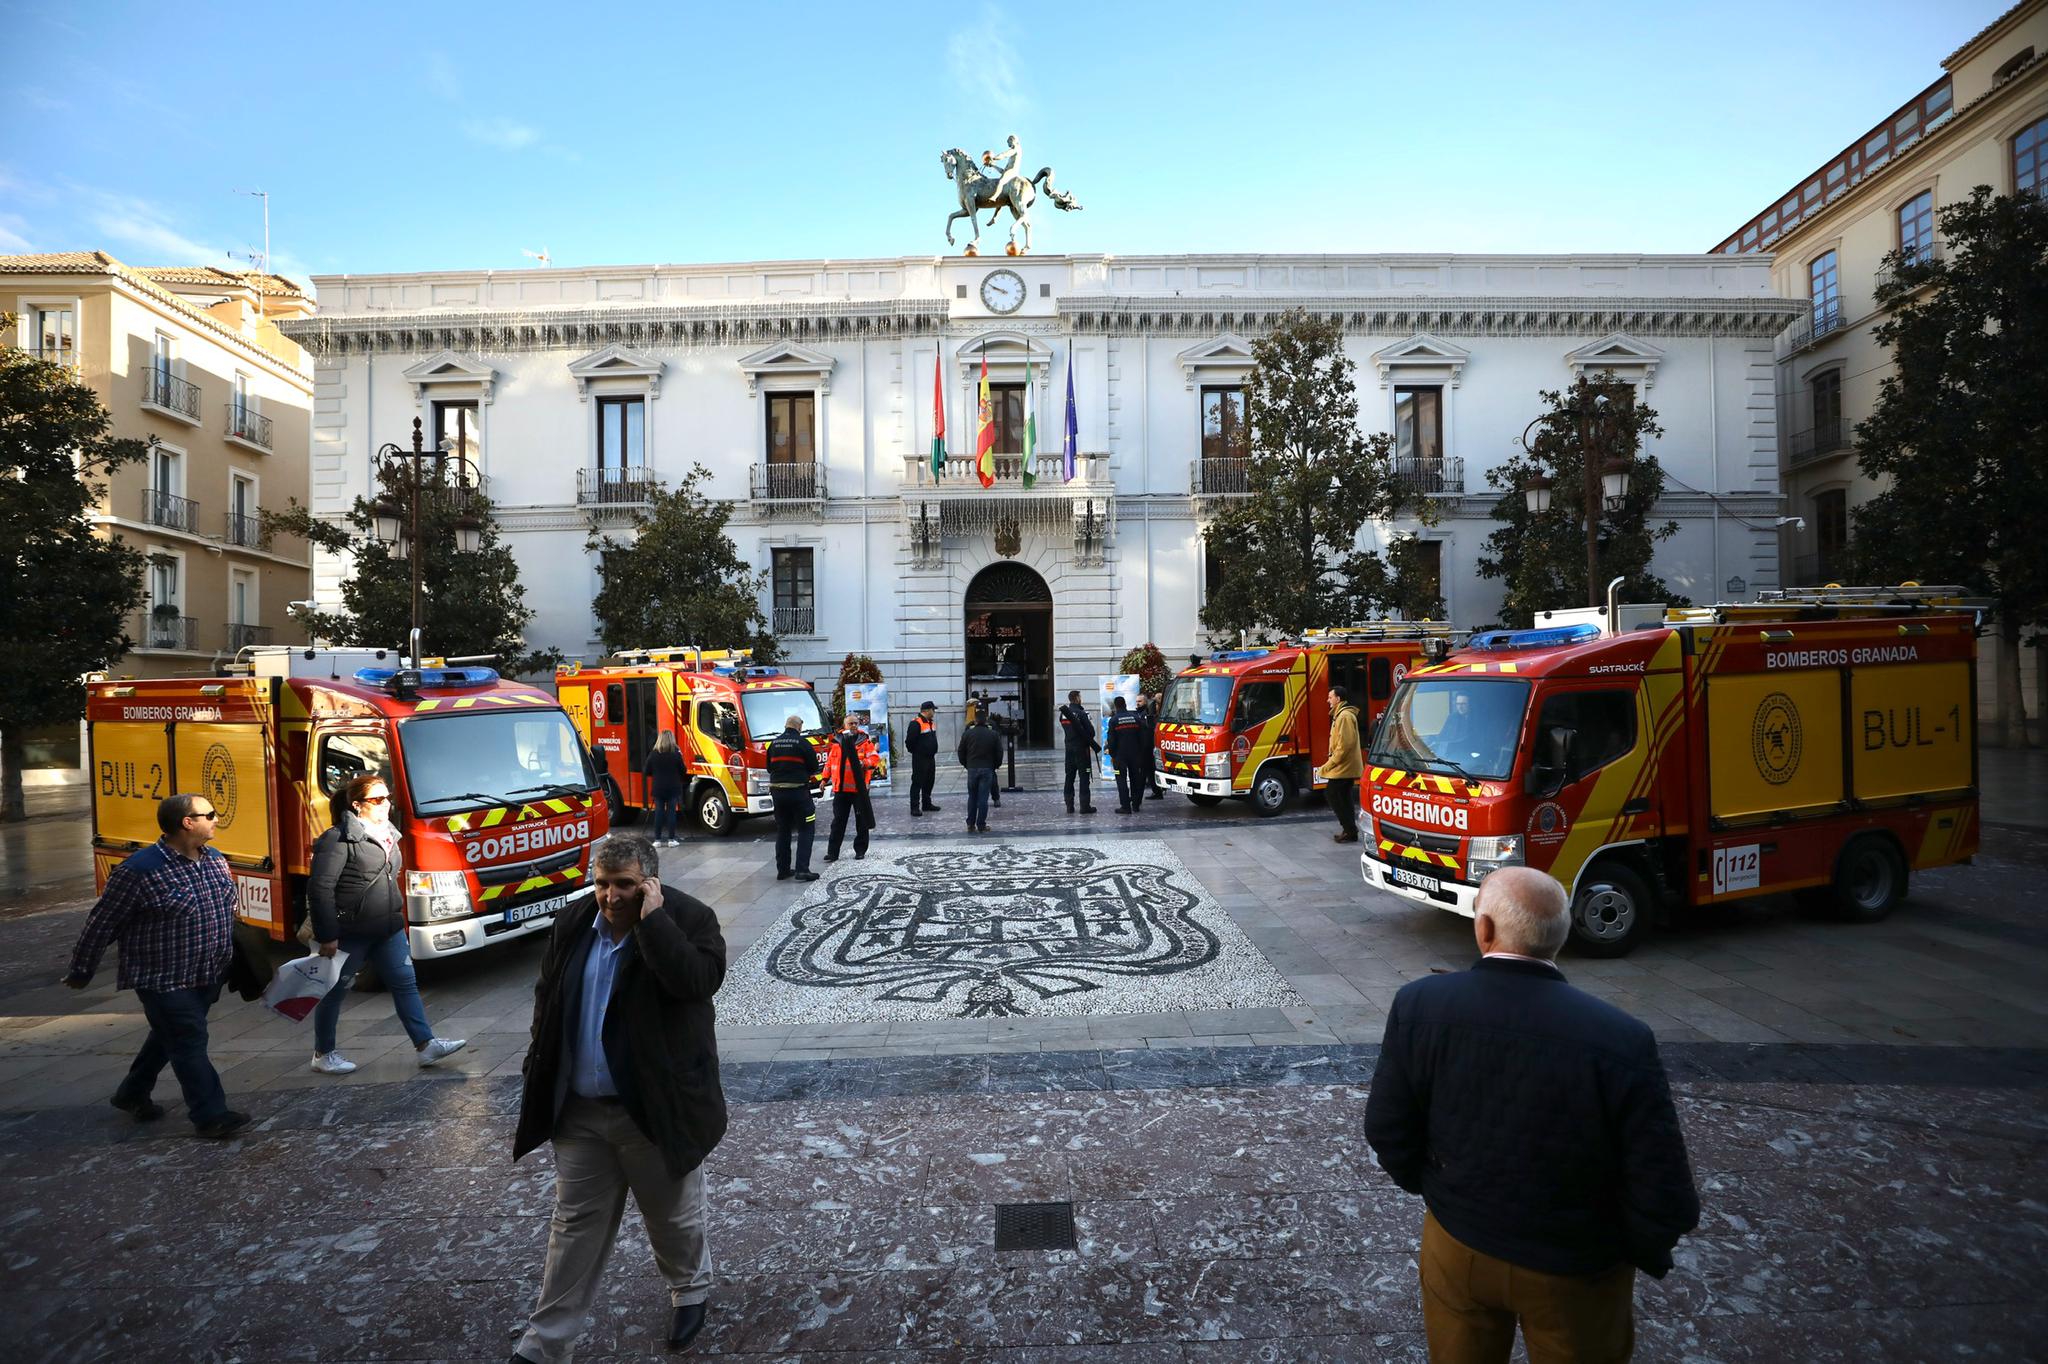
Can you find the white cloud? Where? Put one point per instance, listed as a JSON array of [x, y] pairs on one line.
[[985, 67], [13, 228], [145, 232], [34, 98], [502, 133], [442, 77]]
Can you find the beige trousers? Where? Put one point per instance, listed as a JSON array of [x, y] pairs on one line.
[[1472, 1301], [599, 1156]]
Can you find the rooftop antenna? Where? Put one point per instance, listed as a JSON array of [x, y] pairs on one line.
[[262, 263], [541, 255]]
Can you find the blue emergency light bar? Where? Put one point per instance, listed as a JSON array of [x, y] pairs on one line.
[[736, 670], [1550, 637], [429, 677], [1237, 655]]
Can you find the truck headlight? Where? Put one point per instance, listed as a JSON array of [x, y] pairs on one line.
[[434, 895], [757, 782], [1216, 765], [1491, 854]]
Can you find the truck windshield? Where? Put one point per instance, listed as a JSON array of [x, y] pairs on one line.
[[467, 760], [1460, 725], [766, 711], [1196, 701]]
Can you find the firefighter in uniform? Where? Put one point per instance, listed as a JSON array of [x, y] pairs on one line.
[[1148, 714], [1127, 740], [850, 763], [1082, 746], [792, 767], [923, 742]]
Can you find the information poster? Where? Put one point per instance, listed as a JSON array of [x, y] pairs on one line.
[[1125, 685], [870, 701]]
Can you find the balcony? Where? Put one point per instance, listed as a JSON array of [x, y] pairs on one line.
[[958, 474], [165, 392], [613, 487], [795, 483], [163, 628], [172, 513], [796, 620], [1817, 442], [1811, 328], [242, 637], [246, 427], [1220, 478], [1434, 477], [246, 532], [1929, 252]]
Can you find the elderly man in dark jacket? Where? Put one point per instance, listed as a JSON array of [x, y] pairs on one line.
[[1537, 1125], [622, 1076]]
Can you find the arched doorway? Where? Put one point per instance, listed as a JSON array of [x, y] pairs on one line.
[[1009, 645]]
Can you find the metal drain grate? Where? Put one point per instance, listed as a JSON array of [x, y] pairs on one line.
[[1034, 1226]]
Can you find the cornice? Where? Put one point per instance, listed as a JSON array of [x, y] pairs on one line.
[[1453, 316]]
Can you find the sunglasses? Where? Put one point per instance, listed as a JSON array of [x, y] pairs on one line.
[[374, 800], [204, 814]]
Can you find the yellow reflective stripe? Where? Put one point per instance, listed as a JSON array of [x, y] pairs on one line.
[[491, 893], [573, 874], [492, 818], [458, 823], [534, 883]]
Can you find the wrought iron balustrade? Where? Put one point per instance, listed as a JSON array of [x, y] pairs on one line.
[[612, 486], [1434, 476], [777, 482], [246, 532], [250, 427], [1817, 442], [164, 630], [796, 620], [170, 512], [242, 636], [1220, 478], [163, 389]]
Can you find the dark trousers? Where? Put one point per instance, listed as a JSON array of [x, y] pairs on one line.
[[1079, 767], [1130, 786], [981, 784], [1342, 793], [857, 804], [667, 806], [177, 1035], [796, 816], [924, 770], [1151, 772]]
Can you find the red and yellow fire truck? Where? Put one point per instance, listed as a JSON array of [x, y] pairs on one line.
[[722, 710], [1822, 741], [1255, 723], [493, 796]]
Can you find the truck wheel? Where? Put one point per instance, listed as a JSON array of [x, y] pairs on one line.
[[1206, 802], [1272, 789], [1870, 880], [714, 812], [1610, 911]]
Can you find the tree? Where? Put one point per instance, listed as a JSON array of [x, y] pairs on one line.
[[679, 579], [65, 592], [1150, 666], [855, 668], [1288, 555], [1959, 437], [1542, 556], [471, 604]]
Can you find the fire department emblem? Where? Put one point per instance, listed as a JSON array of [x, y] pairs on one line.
[[1775, 738], [217, 779]]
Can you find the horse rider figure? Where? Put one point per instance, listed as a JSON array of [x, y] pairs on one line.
[[1011, 160]]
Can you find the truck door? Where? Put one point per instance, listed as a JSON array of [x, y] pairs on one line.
[[643, 724], [1603, 743], [715, 734]]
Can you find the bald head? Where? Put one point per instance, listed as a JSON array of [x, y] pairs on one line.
[[1524, 911]]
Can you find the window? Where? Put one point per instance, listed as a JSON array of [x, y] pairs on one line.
[[719, 720], [456, 423], [1212, 571], [242, 598], [344, 757], [615, 704], [243, 526], [1827, 292], [1827, 410], [1380, 671], [2029, 152], [1224, 433], [1831, 529], [163, 354], [53, 335], [165, 468], [792, 428], [1419, 431], [1603, 726], [1428, 565], [1916, 228], [164, 504], [1258, 702], [795, 598], [1006, 407], [163, 583], [621, 433]]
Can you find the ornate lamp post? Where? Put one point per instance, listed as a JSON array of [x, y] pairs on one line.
[[1604, 483], [396, 515]]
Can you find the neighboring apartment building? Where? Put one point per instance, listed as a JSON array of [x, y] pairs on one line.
[[1984, 122], [191, 356]]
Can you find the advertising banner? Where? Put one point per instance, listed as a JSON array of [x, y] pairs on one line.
[[870, 700], [1109, 688]]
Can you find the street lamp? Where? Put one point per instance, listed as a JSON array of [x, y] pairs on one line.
[[395, 515], [1605, 481]]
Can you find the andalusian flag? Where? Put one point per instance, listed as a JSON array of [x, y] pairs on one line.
[[939, 415], [985, 432], [1030, 421]]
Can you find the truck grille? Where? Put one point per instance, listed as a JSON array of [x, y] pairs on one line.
[[1415, 838], [519, 871]]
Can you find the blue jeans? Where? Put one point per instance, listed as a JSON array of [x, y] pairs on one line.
[[392, 957], [667, 806], [177, 1034], [981, 783]]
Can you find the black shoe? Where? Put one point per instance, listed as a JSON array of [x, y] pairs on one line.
[[981, 829], [226, 1125], [689, 1320], [931, 809], [784, 875], [518, 1358], [917, 814], [804, 876], [831, 857], [1123, 809], [1070, 807], [1087, 809], [142, 1110]]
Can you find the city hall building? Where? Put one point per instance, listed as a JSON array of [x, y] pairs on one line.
[[806, 389]]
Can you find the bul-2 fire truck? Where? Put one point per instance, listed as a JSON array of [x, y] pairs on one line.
[[494, 799], [1820, 740], [1255, 723], [722, 709]]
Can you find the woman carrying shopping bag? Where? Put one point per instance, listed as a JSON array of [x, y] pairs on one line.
[[665, 776], [358, 905]]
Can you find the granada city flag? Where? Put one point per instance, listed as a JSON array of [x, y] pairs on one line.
[[1030, 422], [985, 433], [939, 415]]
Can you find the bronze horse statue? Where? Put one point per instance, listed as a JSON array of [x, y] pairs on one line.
[[978, 191]]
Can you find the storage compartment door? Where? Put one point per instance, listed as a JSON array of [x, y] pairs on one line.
[[1774, 743], [1912, 729], [131, 773], [232, 766]]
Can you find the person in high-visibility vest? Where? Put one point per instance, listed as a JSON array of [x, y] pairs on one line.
[[850, 762], [923, 742]]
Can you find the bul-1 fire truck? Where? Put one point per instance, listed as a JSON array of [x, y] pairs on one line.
[[722, 709], [494, 799], [1820, 740], [1255, 723]]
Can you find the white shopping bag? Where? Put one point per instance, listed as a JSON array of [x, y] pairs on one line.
[[301, 984]]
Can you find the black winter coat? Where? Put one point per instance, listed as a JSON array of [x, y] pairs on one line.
[[666, 775], [659, 1036], [979, 747], [1078, 729], [1534, 1120], [353, 889], [1130, 743], [921, 739]]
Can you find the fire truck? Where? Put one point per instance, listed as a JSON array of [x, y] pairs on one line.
[[493, 796], [722, 709], [1254, 724], [1821, 741]]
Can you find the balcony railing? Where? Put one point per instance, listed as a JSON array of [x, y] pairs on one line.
[[246, 532], [788, 482], [241, 636], [1816, 442], [615, 487], [1434, 476], [1220, 477], [958, 472], [1811, 328], [165, 631], [165, 390], [172, 513], [251, 428], [796, 620], [1929, 252]]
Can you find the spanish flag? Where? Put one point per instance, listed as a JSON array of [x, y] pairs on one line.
[[985, 432]]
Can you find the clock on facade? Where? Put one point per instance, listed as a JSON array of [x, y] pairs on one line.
[[1003, 291]]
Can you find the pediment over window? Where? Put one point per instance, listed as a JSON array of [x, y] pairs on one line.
[[1227, 358], [1006, 352], [787, 361], [1421, 356], [616, 362], [447, 367], [1630, 359]]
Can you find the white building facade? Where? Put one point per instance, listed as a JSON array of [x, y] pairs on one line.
[[806, 389]]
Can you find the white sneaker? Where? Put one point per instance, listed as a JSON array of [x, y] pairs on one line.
[[440, 1048], [333, 1063]]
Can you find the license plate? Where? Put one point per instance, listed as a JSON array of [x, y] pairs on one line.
[[539, 909], [1401, 876]]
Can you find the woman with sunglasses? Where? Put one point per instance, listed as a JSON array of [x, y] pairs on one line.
[[358, 906]]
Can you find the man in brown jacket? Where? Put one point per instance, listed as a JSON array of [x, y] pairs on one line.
[[622, 1076], [1345, 765]]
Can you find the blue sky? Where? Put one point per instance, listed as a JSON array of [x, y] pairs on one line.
[[457, 136]]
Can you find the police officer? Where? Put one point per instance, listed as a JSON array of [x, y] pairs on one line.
[[792, 767], [923, 743], [1082, 746], [1127, 749], [850, 762]]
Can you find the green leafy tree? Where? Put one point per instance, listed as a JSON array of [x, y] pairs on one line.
[[679, 579], [855, 668], [65, 592], [1959, 437], [470, 604], [1288, 555], [1541, 557], [1150, 666]]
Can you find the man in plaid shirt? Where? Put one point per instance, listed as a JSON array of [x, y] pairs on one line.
[[171, 906]]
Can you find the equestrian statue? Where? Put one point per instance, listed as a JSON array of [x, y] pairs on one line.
[[997, 183]]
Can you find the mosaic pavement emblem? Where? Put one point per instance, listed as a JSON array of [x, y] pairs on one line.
[[991, 932]]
